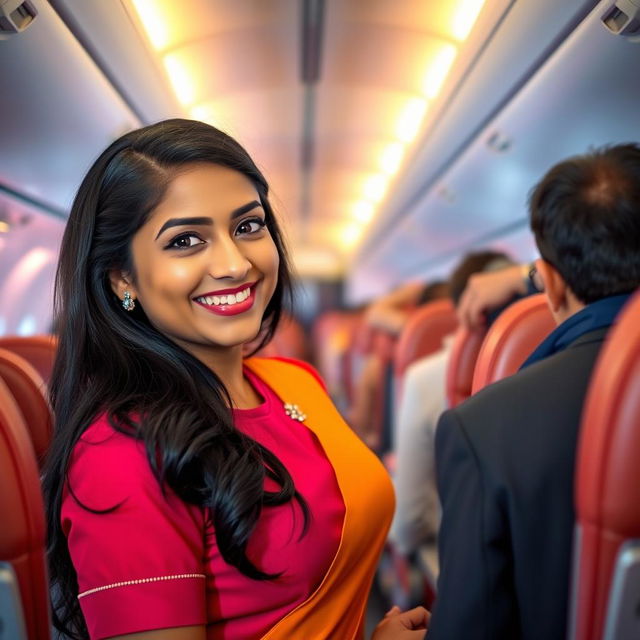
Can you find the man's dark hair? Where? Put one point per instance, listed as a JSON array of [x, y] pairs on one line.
[[585, 215], [475, 263]]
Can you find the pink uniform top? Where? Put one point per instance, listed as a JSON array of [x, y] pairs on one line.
[[153, 561]]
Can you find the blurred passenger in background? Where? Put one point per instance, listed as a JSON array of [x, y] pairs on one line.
[[389, 314], [417, 515], [486, 292], [391, 311], [505, 457]]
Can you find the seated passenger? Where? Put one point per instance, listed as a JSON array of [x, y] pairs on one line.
[[417, 515], [389, 313], [505, 458], [193, 494]]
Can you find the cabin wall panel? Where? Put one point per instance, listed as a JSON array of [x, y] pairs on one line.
[[57, 111]]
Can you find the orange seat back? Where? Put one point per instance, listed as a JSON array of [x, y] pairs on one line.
[[462, 361], [30, 393], [22, 533], [606, 583], [38, 351], [518, 330]]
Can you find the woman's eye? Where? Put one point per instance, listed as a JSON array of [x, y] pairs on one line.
[[185, 241], [250, 226]]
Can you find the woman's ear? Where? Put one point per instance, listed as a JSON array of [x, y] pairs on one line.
[[121, 282], [555, 288]]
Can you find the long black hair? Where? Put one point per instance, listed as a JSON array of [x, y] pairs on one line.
[[114, 362]]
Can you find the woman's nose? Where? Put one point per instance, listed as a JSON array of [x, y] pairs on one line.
[[228, 261]]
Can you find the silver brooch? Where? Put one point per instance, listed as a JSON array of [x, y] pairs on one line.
[[293, 411]]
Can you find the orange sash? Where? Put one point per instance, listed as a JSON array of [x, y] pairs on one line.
[[336, 609]]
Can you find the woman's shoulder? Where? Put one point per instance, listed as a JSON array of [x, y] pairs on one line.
[[108, 459]]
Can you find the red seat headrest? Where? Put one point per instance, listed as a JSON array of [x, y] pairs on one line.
[[38, 351], [30, 393], [518, 330]]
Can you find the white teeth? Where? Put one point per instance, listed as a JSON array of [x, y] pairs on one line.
[[229, 299]]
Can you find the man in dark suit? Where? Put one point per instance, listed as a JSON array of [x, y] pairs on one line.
[[505, 458]]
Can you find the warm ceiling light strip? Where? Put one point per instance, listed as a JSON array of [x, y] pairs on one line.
[[205, 112], [438, 69], [374, 187], [363, 211], [154, 21], [410, 119], [349, 235], [464, 17], [390, 158], [181, 79], [157, 25]]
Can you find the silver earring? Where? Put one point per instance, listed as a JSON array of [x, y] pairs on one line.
[[128, 303]]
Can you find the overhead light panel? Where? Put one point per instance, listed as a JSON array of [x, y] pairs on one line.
[[181, 79], [205, 113], [363, 211], [155, 23], [410, 119], [349, 235], [374, 187], [464, 17], [438, 69], [390, 158]]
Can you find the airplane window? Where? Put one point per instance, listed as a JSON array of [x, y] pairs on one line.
[[27, 326]]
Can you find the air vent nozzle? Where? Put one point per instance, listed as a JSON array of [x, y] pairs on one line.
[[16, 16], [623, 18]]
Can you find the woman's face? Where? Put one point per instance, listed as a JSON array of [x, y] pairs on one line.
[[205, 263]]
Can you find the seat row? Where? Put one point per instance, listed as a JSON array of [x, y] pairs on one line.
[[607, 552], [606, 580]]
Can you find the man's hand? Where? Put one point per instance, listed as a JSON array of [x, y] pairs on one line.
[[402, 625], [488, 291]]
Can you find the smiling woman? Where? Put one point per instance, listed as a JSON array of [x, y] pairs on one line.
[[192, 493], [204, 251]]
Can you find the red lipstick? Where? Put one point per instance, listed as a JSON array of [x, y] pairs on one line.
[[224, 309]]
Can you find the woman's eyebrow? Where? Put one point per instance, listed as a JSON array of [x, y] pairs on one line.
[[245, 208], [177, 222]]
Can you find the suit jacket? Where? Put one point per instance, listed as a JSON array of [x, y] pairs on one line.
[[505, 470]]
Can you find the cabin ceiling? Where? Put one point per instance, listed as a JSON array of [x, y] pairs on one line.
[[371, 119], [329, 97]]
